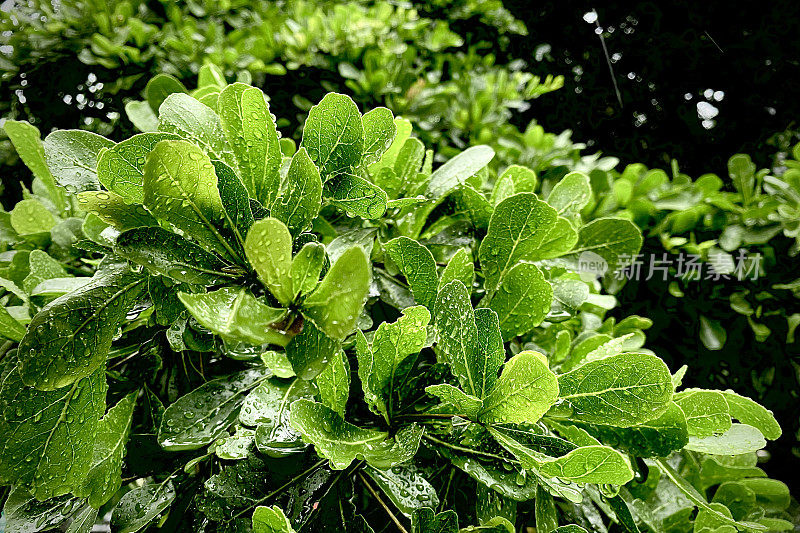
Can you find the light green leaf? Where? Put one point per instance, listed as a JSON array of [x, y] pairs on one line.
[[236, 315], [168, 254], [740, 439], [10, 328], [120, 169], [30, 217], [559, 241], [416, 263], [160, 87], [749, 412], [306, 268], [405, 486], [28, 144], [141, 115], [334, 384], [211, 75], [104, 476], [180, 187], [278, 363], [251, 132], [457, 335], [515, 179], [112, 209], [379, 131], [590, 464], [706, 412], [267, 409], [356, 196], [522, 300], [459, 267], [48, 436], [70, 337], [42, 267], [200, 417], [71, 156], [622, 391], [269, 249], [333, 135], [182, 115], [525, 391], [457, 170], [300, 197], [310, 351], [465, 405], [271, 520], [407, 169], [141, 506], [570, 195], [237, 446], [518, 228], [387, 160], [472, 204], [614, 239], [337, 301]]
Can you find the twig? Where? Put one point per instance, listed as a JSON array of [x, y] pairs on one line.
[[380, 501], [467, 450]]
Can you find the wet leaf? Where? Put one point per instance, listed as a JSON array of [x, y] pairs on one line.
[[356, 196], [457, 170], [334, 384], [271, 520], [269, 249], [188, 118], [405, 486], [522, 300], [71, 156], [706, 412], [300, 197], [112, 209], [141, 506], [416, 263], [28, 144], [379, 131], [333, 135]]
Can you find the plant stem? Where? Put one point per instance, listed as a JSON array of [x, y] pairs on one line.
[[467, 450], [380, 501]]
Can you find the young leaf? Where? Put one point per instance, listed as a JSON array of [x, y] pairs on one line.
[[48, 436], [300, 197], [739, 439], [112, 209], [271, 520], [389, 157], [160, 87], [334, 384], [104, 477], [525, 391], [379, 131], [200, 417], [251, 132], [141, 505], [168, 254], [464, 405], [311, 350], [306, 268], [517, 229], [71, 156], [522, 300], [417, 265], [406, 168], [749, 412], [28, 144], [234, 314], [42, 267], [457, 335], [141, 115], [571, 194], [337, 301], [235, 202], [457, 170], [180, 187], [378, 362], [269, 249], [459, 267], [559, 241], [356, 196], [333, 135], [182, 115], [590, 464], [515, 179], [10, 328], [622, 391], [120, 169], [706, 412], [70, 337], [30, 217]]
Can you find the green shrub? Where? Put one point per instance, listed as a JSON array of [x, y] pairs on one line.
[[340, 335]]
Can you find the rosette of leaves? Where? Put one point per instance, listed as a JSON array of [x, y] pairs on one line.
[[344, 337]]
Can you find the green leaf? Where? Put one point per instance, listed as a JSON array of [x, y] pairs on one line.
[[334, 384], [389, 157], [489, 350], [426, 520], [515, 179], [522, 300], [379, 131], [48, 436], [236, 315], [28, 144], [405, 486], [30, 217], [306, 268], [517, 229], [559, 241], [211, 75], [165, 253], [42, 267], [271, 520], [10, 328], [120, 169], [457, 170], [378, 361], [356, 196], [160, 87], [464, 405], [333, 135], [112, 209], [337, 301], [570, 195], [739, 439], [472, 204], [407, 168], [70, 337], [104, 475], [71, 156], [622, 391], [180, 187], [141, 115], [182, 115], [300, 198], [749, 412], [706, 412], [416, 263], [614, 239], [741, 170], [525, 391], [457, 335], [310, 351], [590, 464], [235, 202], [545, 512], [141, 506], [459, 267], [269, 249], [251, 132], [237, 446], [267, 409], [25, 514], [203, 415]]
